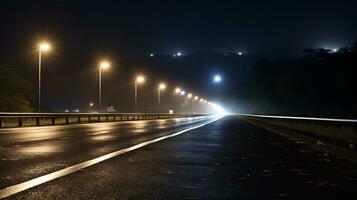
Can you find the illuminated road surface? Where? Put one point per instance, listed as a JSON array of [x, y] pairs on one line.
[[225, 159]]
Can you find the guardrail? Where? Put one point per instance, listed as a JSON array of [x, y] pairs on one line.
[[40, 119], [344, 130]]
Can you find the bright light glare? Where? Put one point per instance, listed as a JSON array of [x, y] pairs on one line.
[[152, 55], [140, 79], [189, 95], [218, 109], [217, 78], [177, 90], [44, 46], [196, 97], [179, 54], [182, 93], [335, 50], [104, 65], [162, 86], [91, 104], [240, 53], [201, 100]]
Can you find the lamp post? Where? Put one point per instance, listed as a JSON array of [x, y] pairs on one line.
[[102, 66], [139, 79], [42, 47], [177, 90], [189, 96], [193, 106], [162, 86]]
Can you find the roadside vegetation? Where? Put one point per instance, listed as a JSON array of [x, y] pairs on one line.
[[15, 92], [321, 83]]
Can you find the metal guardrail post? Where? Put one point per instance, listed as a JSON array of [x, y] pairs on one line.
[[50, 118], [20, 121]]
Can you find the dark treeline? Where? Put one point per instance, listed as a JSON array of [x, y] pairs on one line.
[[321, 83], [15, 92]]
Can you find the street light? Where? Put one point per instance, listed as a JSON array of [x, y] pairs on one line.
[[182, 93], [217, 78], [102, 66], [162, 86], [138, 80], [196, 98], [42, 47], [177, 90], [189, 95]]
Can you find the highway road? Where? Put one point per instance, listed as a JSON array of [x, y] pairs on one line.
[[195, 158]]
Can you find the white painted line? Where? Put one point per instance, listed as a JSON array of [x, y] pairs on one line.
[[99, 133], [303, 118], [14, 189]]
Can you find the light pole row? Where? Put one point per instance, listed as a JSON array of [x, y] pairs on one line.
[[103, 65]]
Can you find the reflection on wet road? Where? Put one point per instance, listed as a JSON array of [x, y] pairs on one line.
[[225, 159], [31, 152]]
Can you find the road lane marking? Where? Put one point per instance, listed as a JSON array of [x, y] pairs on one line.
[[14, 189]]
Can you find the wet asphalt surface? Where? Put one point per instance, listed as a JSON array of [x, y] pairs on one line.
[[226, 159]]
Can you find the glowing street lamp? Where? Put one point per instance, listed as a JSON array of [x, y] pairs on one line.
[[42, 47], [182, 93], [196, 98], [189, 95], [162, 86], [138, 80], [177, 90], [217, 78], [102, 66], [201, 100]]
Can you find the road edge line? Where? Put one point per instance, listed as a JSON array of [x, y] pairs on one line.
[[20, 187]]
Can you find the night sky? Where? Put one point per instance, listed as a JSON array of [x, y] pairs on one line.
[[126, 32]]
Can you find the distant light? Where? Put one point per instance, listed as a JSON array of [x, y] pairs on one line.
[[174, 55], [217, 78], [162, 86], [104, 65], [205, 101], [177, 90], [91, 104], [182, 92], [201, 100], [196, 97], [335, 50], [152, 55], [140, 79], [240, 53], [218, 109], [76, 110], [189, 95], [66, 110], [179, 54]]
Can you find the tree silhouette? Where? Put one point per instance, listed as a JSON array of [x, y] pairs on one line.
[[15, 92]]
